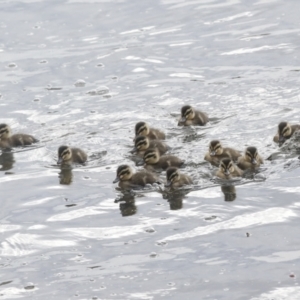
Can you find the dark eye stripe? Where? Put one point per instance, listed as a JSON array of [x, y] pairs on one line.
[[141, 129], [124, 173]]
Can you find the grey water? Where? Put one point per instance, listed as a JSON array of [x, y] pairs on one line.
[[82, 73]]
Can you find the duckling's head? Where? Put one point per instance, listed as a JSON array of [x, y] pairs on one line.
[[215, 148], [141, 128], [226, 166], [187, 113], [4, 131], [251, 155], [284, 131], [151, 156], [64, 154], [124, 172], [141, 143], [172, 175]]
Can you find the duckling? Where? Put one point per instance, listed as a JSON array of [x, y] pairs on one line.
[[217, 153], [67, 155], [250, 160], [7, 140], [142, 128], [176, 179], [285, 131], [153, 160], [190, 116], [228, 170], [142, 143], [127, 179]]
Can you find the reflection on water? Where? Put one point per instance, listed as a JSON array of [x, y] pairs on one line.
[[229, 192], [65, 175], [127, 204], [6, 160], [175, 197]]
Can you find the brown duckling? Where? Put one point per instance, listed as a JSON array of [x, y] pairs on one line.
[[127, 179], [176, 179], [142, 128], [285, 131], [154, 161], [7, 140], [217, 153], [67, 155], [250, 160], [190, 116], [228, 170], [142, 143]]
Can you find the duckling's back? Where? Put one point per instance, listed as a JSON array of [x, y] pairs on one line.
[[21, 139], [167, 161], [78, 156]]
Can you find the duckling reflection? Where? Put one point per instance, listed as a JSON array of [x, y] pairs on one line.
[[7, 140], [65, 175], [229, 192], [285, 132], [175, 198], [127, 205], [6, 161]]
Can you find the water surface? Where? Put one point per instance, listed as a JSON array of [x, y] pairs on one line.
[[83, 73]]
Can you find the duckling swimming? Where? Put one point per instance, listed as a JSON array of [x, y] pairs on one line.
[[142, 143], [127, 179], [176, 179], [250, 160], [154, 161], [7, 140], [190, 116], [285, 131], [67, 155], [142, 128], [228, 170], [217, 153]]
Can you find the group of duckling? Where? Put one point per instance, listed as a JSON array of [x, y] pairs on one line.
[[150, 146], [66, 155]]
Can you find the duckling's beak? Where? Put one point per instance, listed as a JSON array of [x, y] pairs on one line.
[[140, 163], [182, 119], [168, 183], [59, 161], [253, 161], [116, 180], [212, 153], [133, 150], [281, 139], [226, 172]]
